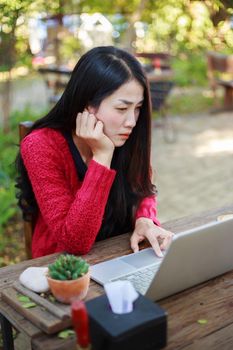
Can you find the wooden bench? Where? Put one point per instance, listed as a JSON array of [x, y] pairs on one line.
[[220, 73]]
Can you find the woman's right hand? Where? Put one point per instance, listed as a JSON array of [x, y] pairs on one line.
[[90, 129]]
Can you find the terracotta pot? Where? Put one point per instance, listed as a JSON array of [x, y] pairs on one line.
[[67, 291]]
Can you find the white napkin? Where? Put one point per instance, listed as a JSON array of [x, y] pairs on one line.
[[34, 278], [121, 295]]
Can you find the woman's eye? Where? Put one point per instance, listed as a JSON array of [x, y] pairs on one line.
[[121, 108]]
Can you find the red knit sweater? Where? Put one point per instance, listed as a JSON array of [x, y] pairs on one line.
[[70, 210]]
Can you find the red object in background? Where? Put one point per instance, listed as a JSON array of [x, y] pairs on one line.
[[80, 323], [38, 61], [157, 63]]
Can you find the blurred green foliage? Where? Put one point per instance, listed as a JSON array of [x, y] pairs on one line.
[[69, 48], [7, 172], [181, 26], [190, 69], [174, 26], [189, 101], [8, 151], [8, 204]]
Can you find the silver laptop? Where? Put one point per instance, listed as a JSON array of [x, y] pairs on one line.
[[194, 256]]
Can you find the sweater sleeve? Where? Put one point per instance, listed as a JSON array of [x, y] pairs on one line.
[[73, 219], [147, 209]]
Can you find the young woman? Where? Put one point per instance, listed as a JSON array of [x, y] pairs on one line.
[[85, 167]]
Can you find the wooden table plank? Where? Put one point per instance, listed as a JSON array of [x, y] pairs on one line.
[[54, 343], [18, 321], [221, 339], [53, 307], [211, 301], [38, 315]]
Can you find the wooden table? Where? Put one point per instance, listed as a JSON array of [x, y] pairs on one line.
[[212, 300]]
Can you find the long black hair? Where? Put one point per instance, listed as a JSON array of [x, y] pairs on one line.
[[99, 73]]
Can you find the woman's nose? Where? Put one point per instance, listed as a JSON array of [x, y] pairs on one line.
[[131, 119]]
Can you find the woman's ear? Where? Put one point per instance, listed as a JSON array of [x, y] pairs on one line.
[[91, 109]]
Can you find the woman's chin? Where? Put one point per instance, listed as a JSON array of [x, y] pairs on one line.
[[119, 143]]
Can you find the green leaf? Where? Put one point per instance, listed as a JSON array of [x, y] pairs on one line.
[[66, 333], [28, 305], [51, 298], [202, 321], [23, 298]]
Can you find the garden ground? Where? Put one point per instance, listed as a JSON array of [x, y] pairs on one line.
[[194, 173]]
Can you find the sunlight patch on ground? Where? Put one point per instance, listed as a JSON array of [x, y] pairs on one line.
[[214, 146]]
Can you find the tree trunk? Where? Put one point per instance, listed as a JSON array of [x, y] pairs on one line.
[[6, 102], [221, 14], [10, 58], [130, 34]]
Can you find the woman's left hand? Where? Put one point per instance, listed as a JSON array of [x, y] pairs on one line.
[[158, 237]]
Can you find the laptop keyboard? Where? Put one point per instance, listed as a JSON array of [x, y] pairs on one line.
[[140, 279]]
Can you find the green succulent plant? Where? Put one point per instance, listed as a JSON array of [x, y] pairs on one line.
[[68, 267]]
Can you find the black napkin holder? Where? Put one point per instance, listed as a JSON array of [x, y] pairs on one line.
[[143, 328]]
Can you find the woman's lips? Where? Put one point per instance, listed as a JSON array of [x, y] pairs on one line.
[[124, 135]]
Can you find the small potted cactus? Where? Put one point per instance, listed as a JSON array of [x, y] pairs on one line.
[[69, 278]]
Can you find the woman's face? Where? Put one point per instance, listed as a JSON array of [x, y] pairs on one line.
[[119, 112]]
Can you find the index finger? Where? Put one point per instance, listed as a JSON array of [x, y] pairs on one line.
[[155, 245], [134, 243]]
